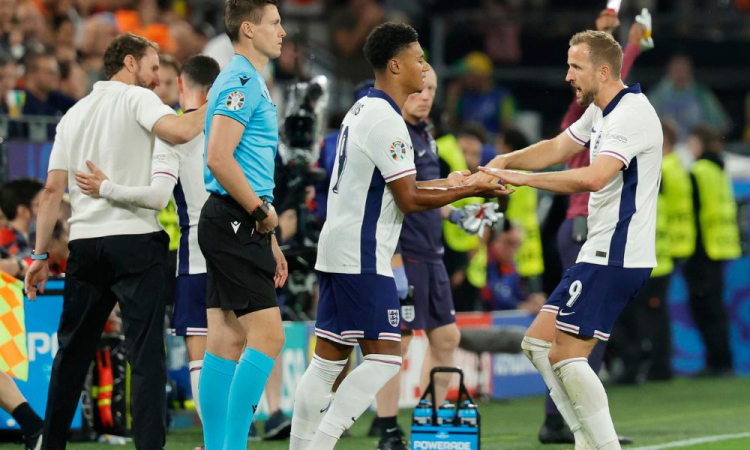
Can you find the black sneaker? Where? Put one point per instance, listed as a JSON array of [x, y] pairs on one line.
[[33, 442], [252, 435], [392, 442], [624, 440], [278, 427], [549, 435]]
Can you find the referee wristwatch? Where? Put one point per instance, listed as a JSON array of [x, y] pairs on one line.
[[261, 212]]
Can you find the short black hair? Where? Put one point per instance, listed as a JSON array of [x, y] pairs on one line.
[[200, 71], [472, 130], [515, 139], [386, 41], [122, 46], [20, 192], [238, 11]]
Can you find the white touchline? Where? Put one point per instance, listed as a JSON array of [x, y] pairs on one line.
[[694, 441]]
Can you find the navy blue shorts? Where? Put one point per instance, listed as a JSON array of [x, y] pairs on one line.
[[590, 298], [189, 317], [433, 299], [357, 306]]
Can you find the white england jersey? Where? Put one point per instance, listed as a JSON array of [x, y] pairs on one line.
[[184, 164], [363, 223], [622, 216]]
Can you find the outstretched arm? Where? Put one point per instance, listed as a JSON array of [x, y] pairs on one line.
[[591, 178], [412, 198], [155, 196]]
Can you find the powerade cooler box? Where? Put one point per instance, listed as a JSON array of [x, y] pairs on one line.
[[448, 426]]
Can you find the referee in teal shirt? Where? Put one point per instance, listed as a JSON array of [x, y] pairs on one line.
[[235, 231]]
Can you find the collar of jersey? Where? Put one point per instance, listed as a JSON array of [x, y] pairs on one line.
[[377, 93], [245, 61], [632, 89]]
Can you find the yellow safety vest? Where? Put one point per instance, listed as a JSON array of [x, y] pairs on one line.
[[678, 192], [522, 210], [718, 213], [168, 219], [664, 263], [455, 237]]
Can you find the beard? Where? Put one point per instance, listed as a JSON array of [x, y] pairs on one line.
[[587, 97], [140, 82]]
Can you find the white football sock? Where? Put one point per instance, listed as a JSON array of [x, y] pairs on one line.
[[537, 351], [195, 368], [589, 400], [357, 392], [312, 399]]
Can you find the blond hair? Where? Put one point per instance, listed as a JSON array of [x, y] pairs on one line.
[[604, 49]]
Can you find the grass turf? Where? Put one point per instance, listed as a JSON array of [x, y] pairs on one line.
[[652, 414]]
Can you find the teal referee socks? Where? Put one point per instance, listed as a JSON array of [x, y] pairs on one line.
[[244, 395], [216, 380]]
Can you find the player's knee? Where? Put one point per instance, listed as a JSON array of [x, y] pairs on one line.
[[447, 340]]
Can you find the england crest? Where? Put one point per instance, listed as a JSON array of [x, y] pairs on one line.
[[393, 317], [407, 312]]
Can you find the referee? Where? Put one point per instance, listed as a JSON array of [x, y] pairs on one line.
[[117, 253], [235, 231]]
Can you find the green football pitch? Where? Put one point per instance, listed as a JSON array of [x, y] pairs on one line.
[[688, 414]]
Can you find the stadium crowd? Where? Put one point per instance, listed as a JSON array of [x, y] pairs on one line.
[[52, 54]]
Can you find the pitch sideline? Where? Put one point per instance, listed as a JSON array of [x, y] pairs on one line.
[[694, 441]]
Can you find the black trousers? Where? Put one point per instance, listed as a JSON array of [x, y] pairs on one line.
[[705, 281], [130, 270], [643, 337]]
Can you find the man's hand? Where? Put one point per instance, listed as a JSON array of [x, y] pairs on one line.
[[268, 224], [456, 178], [90, 182], [282, 271], [498, 162], [36, 275], [491, 190], [506, 176], [607, 21]]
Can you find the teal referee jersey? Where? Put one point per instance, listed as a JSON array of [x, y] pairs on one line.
[[240, 93]]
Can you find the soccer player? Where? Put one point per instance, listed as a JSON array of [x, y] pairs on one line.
[[374, 185], [235, 230], [572, 232], [421, 244], [624, 135], [176, 170]]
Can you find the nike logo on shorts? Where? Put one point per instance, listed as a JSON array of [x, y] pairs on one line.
[[421, 154], [565, 313]]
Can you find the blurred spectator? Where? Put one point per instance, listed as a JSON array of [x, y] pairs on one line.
[[187, 42], [36, 34], [473, 97], [351, 24], [717, 242], [169, 70], [220, 48], [19, 201], [73, 81], [501, 33], [746, 133], [98, 33], [504, 289], [43, 96], [64, 31], [9, 99], [7, 11], [471, 140], [685, 101]]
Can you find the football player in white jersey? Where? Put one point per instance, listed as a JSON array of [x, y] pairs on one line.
[[374, 184], [624, 138], [176, 170]]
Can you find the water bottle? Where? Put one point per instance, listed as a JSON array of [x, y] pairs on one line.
[[423, 413], [467, 414], [446, 414]]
